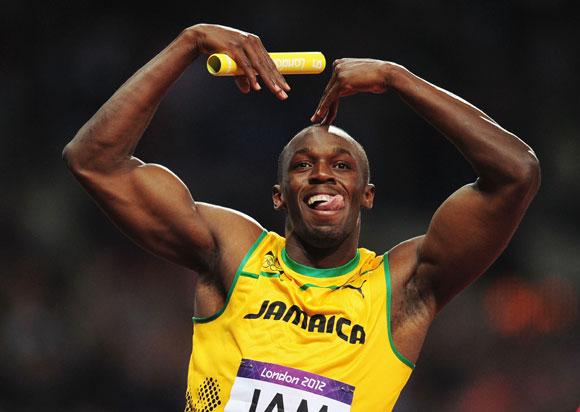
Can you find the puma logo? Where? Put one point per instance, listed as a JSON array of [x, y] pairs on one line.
[[358, 289]]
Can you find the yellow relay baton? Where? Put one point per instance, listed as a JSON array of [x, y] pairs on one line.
[[220, 64]]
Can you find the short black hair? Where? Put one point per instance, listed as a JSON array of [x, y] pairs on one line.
[[283, 156]]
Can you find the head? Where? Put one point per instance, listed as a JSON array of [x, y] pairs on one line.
[[324, 163]]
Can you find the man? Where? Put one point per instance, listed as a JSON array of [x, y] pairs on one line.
[[309, 322]]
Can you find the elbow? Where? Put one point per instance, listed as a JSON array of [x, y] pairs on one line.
[[66, 154], [70, 157], [84, 162], [531, 170], [75, 161], [526, 177]]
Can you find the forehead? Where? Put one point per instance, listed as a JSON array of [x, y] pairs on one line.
[[321, 141]]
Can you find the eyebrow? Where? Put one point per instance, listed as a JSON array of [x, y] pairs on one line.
[[342, 150], [304, 150]]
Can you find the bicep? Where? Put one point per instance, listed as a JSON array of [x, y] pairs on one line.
[[154, 208], [466, 235]]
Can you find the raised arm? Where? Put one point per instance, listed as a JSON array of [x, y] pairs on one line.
[[474, 225], [146, 201]]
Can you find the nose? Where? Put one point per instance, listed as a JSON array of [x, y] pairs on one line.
[[321, 173]]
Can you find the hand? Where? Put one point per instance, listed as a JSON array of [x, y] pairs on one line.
[[350, 76], [247, 51]]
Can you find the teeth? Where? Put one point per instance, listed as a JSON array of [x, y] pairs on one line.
[[319, 198]]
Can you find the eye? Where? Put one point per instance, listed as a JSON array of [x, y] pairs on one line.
[[301, 165], [342, 165]]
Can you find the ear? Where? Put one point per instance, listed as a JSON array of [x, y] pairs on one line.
[[278, 199], [368, 196]]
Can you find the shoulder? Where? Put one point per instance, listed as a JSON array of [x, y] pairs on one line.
[[230, 215], [234, 234], [400, 260], [403, 259]]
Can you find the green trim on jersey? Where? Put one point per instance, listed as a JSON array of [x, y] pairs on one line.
[[239, 273], [320, 273], [401, 357], [269, 274], [312, 285]]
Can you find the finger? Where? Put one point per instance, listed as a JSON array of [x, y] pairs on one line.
[[327, 99], [315, 116], [280, 80], [267, 76], [332, 111], [243, 84], [318, 111], [244, 64]]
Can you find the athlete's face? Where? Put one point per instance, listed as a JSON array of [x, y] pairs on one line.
[[323, 188]]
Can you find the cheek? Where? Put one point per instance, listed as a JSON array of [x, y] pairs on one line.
[[357, 191], [292, 187], [289, 196]]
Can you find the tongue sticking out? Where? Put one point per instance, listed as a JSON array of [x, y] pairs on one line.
[[336, 202]]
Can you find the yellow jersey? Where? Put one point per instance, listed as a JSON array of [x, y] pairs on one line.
[[294, 338]]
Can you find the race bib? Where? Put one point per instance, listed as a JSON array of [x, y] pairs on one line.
[[266, 387]]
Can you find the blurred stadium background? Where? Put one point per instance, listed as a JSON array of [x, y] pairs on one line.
[[89, 322]]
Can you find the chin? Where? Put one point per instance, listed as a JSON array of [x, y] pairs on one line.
[[324, 237]]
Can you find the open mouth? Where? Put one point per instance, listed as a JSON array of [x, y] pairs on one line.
[[325, 202]]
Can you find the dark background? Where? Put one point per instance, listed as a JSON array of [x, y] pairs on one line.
[[89, 322]]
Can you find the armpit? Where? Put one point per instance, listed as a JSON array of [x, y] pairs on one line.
[[414, 305]]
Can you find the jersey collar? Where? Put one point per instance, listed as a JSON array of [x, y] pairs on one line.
[[321, 273]]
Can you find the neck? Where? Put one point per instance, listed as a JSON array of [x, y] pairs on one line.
[[321, 258]]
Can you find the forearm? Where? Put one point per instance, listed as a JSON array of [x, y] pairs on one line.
[[109, 138], [498, 157]]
